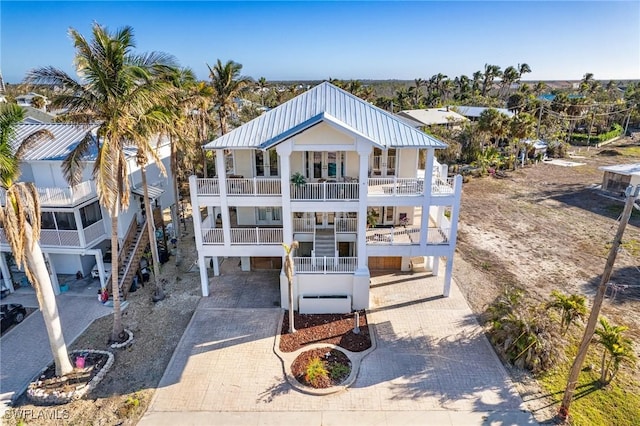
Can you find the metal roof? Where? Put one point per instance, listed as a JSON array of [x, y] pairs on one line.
[[66, 138], [475, 111], [432, 116], [632, 169], [325, 102]]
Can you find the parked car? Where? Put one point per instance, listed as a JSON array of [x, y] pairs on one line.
[[106, 260], [12, 313]]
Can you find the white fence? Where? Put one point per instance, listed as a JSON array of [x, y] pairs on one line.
[[241, 236], [253, 186], [325, 191]]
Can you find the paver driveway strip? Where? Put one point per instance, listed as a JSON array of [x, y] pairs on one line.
[[432, 366]]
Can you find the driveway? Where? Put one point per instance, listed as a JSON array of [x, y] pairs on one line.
[[432, 365]]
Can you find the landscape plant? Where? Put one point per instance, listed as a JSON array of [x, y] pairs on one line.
[[315, 371], [616, 349], [572, 307]]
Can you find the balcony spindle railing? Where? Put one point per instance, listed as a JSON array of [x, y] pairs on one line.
[[325, 265], [349, 224], [303, 224], [325, 191]]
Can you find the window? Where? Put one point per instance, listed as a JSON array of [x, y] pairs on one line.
[[47, 221], [90, 214], [259, 162], [65, 221], [274, 166]]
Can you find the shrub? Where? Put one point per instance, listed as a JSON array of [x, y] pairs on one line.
[[315, 371], [338, 371]]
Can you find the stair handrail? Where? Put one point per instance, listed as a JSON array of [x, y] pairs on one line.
[[136, 247]]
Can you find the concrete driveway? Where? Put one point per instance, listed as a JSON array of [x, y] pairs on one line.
[[432, 365]]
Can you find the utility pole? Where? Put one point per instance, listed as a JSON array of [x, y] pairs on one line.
[[597, 304]]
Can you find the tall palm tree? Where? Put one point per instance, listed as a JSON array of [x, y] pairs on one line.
[[228, 84], [262, 85], [491, 72], [20, 219], [117, 88]]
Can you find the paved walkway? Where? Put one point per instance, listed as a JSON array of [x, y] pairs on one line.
[[25, 350], [432, 366]]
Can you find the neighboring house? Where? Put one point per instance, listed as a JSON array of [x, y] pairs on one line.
[[434, 117], [473, 112], [617, 178], [36, 116], [27, 100], [318, 169], [76, 229]]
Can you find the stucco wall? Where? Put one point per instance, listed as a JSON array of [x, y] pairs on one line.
[[408, 163], [323, 134], [246, 215]]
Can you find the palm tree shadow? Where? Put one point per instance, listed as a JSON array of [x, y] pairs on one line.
[[279, 388]]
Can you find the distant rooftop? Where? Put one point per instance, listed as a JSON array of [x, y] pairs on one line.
[[431, 116], [475, 111], [632, 169]]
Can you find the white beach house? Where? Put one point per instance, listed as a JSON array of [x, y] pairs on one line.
[[76, 230], [341, 177]]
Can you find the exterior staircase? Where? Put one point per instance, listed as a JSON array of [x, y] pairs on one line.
[[129, 258], [325, 243]]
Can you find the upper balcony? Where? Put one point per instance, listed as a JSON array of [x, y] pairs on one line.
[[326, 190], [63, 197]]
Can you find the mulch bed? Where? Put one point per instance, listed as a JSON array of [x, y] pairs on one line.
[[336, 364], [77, 379], [336, 329]]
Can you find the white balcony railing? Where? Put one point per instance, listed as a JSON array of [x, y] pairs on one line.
[[53, 237], [325, 265], [256, 236], [241, 236], [304, 224], [406, 236], [94, 231], [253, 186], [347, 191], [325, 191], [349, 224], [62, 196]]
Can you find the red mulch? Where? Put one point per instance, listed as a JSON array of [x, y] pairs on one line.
[[335, 362], [336, 329]]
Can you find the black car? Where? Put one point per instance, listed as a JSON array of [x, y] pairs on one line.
[[10, 314]]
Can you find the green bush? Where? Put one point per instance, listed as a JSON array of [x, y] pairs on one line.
[[616, 130]]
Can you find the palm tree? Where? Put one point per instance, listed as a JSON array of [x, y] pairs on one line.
[[117, 88], [493, 123], [262, 85], [289, 271], [491, 72], [509, 76], [20, 219], [616, 349], [572, 307], [227, 85]]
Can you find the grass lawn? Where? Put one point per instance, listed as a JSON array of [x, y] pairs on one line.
[[616, 404]]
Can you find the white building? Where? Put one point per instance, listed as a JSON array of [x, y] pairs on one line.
[[617, 178], [76, 230], [352, 160]]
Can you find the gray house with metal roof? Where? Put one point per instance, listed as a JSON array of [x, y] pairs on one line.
[[338, 175]]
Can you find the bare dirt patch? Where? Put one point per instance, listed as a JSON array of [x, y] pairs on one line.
[[543, 228]]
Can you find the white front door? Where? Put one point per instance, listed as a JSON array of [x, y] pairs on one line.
[[385, 215], [325, 219]]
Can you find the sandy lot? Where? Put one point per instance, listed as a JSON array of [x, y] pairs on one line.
[[545, 227]]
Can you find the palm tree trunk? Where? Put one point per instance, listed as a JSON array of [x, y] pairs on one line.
[[118, 329], [158, 294], [175, 216], [48, 306]]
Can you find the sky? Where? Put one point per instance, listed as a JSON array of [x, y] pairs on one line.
[[304, 40]]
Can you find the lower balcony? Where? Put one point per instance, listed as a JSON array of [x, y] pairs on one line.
[[68, 238], [243, 236], [406, 236], [325, 265]]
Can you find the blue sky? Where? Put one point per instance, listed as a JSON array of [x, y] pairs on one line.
[[345, 40]]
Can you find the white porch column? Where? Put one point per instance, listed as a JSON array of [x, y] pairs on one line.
[[405, 264], [101, 274], [426, 200], [453, 233], [6, 274], [224, 202], [216, 266], [284, 152], [364, 151], [52, 273], [197, 231]]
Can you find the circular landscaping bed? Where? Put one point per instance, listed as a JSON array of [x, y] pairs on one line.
[[90, 368], [321, 368]]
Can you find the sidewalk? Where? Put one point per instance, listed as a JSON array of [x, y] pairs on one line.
[[432, 365]]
